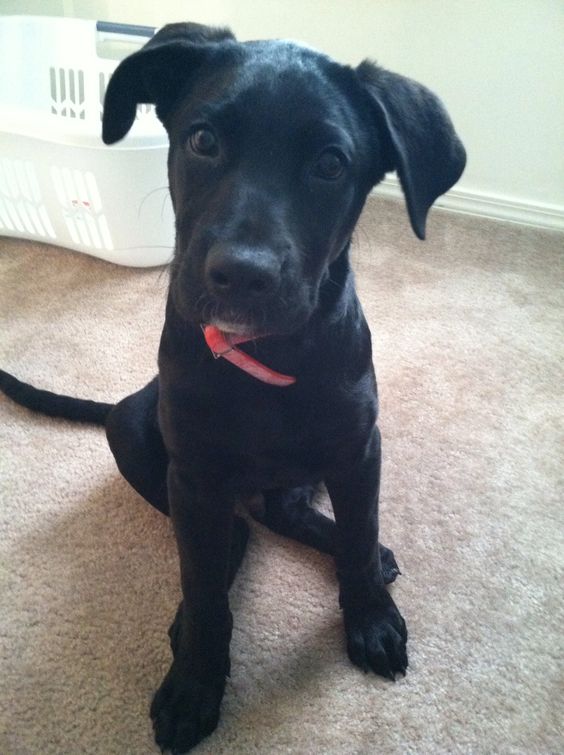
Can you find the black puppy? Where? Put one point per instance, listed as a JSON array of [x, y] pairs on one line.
[[273, 150]]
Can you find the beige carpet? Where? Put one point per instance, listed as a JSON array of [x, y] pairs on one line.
[[468, 345]]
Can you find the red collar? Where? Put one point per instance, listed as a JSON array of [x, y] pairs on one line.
[[223, 345]]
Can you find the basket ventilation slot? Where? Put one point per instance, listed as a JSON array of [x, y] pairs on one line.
[[79, 198], [67, 93], [21, 206]]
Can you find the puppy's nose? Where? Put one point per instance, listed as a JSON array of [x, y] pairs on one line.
[[242, 272]]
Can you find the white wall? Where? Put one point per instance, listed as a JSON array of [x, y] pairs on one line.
[[497, 64]]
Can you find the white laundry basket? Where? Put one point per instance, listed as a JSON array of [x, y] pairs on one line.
[[59, 183]]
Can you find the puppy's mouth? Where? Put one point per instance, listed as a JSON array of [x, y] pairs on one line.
[[235, 328], [237, 321], [280, 318], [252, 326], [247, 322]]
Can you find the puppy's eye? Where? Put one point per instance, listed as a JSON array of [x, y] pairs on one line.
[[330, 165], [203, 142]]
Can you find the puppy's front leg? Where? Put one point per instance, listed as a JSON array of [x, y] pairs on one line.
[[186, 707], [375, 630]]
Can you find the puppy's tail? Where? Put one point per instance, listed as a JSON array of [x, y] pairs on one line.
[[53, 404]]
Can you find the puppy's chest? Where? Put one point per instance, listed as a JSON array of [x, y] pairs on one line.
[[263, 439]]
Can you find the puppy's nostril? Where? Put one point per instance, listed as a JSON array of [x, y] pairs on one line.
[[220, 279]]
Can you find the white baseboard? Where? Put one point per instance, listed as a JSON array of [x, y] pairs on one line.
[[488, 206]]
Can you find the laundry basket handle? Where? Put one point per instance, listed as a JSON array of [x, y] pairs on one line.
[[109, 27]]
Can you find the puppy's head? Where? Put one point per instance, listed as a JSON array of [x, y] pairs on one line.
[[273, 150]]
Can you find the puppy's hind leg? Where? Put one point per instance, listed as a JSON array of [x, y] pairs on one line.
[[290, 513], [135, 440]]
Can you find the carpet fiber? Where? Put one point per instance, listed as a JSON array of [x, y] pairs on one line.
[[467, 331]]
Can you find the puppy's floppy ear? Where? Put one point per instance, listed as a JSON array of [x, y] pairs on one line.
[[419, 139], [155, 74]]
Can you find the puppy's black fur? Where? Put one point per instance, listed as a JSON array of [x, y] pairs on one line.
[[273, 150]]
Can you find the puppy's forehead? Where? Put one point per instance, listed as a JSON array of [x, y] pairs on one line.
[[274, 79], [282, 53]]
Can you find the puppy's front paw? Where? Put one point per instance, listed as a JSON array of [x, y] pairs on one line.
[[377, 637], [185, 710]]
